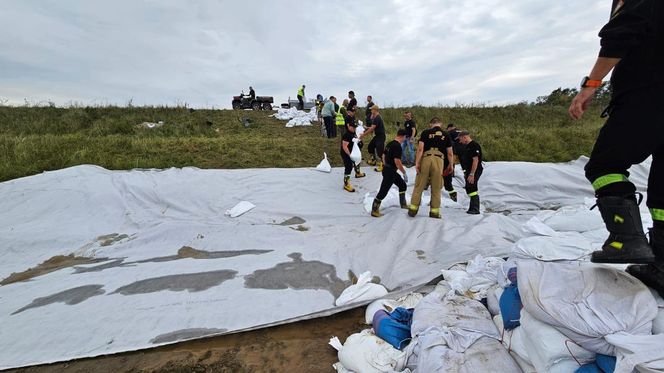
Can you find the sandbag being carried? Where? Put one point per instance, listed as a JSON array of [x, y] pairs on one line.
[[356, 153], [586, 302]]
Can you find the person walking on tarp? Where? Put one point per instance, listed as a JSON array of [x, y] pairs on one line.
[[329, 114], [632, 45], [433, 143], [300, 97], [377, 143], [346, 148], [392, 163], [349, 119], [472, 169], [407, 149]]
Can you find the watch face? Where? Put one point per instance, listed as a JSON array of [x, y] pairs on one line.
[[584, 81]]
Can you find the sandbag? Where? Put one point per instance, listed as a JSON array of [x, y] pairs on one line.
[[356, 153], [513, 340], [492, 300], [563, 246], [475, 280], [510, 307], [572, 219], [586, 302], [365, 352], [393, 327], [361, 291], [324, 165]]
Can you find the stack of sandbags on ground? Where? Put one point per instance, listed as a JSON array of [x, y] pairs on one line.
[[602, 309], [454, 333], [296, 117], [475, 278]]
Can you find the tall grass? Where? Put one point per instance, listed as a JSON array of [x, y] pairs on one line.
[[36, 139]]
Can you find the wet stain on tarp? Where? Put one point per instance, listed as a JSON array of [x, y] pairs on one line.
[[112, 264], [295, 220], [300, 228], [110, 239], [421, 255], [180, 335], [191, 282], [71, 296], [190, 252], [299, 275], [53, 264]]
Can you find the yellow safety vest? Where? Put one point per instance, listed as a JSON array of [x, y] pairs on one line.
[[300, 92], [340, 117]]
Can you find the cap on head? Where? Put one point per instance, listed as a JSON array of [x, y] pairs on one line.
[[401, 132]]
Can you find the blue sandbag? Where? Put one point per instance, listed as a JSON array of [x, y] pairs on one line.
[[606, 363], [510, 307], [589, 368], [393, 328]]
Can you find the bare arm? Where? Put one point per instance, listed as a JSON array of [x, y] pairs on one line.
[[600, 70], [397, 162], [473, 168], [344, 146], [418, 158]]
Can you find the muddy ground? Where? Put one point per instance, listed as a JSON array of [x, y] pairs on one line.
[[297, 347]]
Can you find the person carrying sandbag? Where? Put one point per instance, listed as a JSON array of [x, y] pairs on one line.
[[392, 163]]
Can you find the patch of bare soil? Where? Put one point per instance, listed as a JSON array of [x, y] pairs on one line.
[[50, 265], [297, 347]]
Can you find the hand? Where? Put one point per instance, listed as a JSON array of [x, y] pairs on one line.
[[417, 168], [581, 102], [471, 179], [405, 177], [449, 170]]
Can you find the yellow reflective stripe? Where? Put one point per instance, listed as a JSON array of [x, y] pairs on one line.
[[404, 192], [657, 214], [618, 219], [616, 245], [413, 207], [435, 211], [605, 180], [473, 194], [453, 192]]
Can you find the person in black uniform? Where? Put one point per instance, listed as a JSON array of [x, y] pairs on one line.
[[632, 45], [352, 104], [367, 121], [252, 93], [407, 148], [472, 169], [392, 163], [349, 120], [346, 148], [377, 143]]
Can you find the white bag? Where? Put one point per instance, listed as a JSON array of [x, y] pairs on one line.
[[324, 165], [240, 209], [356, 153], [361, 291], [366, 353]]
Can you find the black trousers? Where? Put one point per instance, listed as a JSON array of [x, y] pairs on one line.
[[390, 177], [447, 180], [348, 163], [471, 189], [633, 132], [330, 127], [377, 146], [300, 104]]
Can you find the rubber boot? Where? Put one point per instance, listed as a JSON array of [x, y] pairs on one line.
[[402, 200], [372, 161], [453, 195], [375, 208], [474, 208], [379, 166], [652, 275], [626, 243], [359, 173], [412, 210], [434, 213], [347, 185]]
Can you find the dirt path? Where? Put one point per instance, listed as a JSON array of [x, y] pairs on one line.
[[298, 347]]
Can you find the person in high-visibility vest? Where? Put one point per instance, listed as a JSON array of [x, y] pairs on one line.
[[340, 119], [300, 97]]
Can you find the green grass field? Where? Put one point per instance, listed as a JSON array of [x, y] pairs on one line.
[[37, 139]]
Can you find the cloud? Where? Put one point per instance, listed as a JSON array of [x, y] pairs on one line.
[[204, 52]]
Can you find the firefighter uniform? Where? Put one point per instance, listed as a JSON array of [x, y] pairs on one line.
[[434, 143]]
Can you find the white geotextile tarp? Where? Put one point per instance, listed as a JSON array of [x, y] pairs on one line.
[[284, 260]]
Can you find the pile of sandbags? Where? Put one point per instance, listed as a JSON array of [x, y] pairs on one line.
[[296, 117]]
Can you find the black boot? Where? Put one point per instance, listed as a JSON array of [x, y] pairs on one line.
[[626, 243], [375, 208], [474, 208], [402, 200], [652, 275]]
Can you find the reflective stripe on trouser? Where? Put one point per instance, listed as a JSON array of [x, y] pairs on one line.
[[657, 214], [609, 179], [431, 169], [473, 194]]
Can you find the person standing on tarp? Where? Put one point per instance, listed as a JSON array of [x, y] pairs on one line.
[[349, 120], [346, 148], [407, 148], [433, 143], [300, 97], [472, 169], [377, 143], [392, 163], [632, 45], [329, 114]]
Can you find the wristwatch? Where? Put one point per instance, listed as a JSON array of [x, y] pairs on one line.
[[586, 82]]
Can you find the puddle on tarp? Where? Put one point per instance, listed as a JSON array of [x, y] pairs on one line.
[[180, 335], [299, 275], [191, 282], [71, 296]]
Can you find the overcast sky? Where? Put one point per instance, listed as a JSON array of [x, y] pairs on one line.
[[161, 52]]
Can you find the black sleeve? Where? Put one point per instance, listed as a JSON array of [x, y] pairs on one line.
[[475, 151], [396, 150], [628, 28], [422, 136], [447, 142]]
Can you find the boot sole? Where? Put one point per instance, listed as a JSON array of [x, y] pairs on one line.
[[595, 258]]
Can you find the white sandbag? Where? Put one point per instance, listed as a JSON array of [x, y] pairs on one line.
[[493, 300], [585, 301], [239, 209], [324, 165], [359, 130], [574, 219], [535, 226], [524, 365], [643, 352], [548, 350], [366, 353], [410, 300], [564, 246], [658, 322], [361, 291], [513, 340], [479, 275], [356, 153]]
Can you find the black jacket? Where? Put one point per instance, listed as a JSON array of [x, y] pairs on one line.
[[635, 34]]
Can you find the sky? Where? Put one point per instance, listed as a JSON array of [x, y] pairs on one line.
[[201, 53]]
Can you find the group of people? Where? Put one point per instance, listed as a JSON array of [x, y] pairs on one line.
[[437, 150]]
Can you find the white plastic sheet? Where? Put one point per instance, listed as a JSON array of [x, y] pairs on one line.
[[563, 246], [239, 209]]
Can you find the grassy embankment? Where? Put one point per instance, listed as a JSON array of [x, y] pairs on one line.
[[36, 139]]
